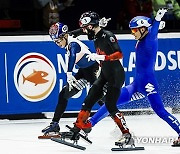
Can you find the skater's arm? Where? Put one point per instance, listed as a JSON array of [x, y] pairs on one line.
[[113, 42], [159, 16], [73, 49], [77, 32]]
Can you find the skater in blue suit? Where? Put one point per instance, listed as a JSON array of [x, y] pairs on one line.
[[144, 84]]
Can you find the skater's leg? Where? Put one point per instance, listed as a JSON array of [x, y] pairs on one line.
[[158, 107], [125, 97], [64, 95], [99, 115], [95, 93], [117, 116], [110, 102]]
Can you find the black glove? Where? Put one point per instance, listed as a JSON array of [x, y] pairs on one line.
[[76, 33]]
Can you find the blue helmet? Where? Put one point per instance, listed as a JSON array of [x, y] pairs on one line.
[[57, 30], [140, 21]]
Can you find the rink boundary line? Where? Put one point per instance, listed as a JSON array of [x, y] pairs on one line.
[[126, 112], [23, 121], [73, 114], [142, 109], [45, 38]]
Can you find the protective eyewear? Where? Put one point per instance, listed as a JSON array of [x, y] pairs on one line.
[[134, 30]]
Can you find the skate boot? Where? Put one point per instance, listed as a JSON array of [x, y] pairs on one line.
[[120, 121], [82, 123], [51, 131], [125, 140], [176, 143], [52, 128]]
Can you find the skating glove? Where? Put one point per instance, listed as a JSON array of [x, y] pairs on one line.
[[103, 22], [160, 13], [95, 57], [70, 80]]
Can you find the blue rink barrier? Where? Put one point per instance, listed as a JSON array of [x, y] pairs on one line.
[[33, 72]]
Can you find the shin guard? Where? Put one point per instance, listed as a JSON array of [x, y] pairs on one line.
[[120, 121], [82, 121]]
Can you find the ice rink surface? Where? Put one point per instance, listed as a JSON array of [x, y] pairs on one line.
[[21, 136]]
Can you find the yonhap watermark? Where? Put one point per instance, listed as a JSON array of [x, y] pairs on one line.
[[154, 140]]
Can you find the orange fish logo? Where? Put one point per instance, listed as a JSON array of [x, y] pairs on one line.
[[34, 84], [36, 77]]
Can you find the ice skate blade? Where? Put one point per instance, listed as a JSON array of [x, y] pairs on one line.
[[48, 136], [128, 149], [61, 141], [175, 145]]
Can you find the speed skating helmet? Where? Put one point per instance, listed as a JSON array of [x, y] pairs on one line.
[[140, 21], [89, 18], [57, 30]]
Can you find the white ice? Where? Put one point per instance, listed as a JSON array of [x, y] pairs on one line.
[[21, 136]]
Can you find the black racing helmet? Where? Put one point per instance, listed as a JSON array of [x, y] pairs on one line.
[[89, 18]]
